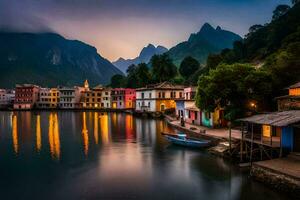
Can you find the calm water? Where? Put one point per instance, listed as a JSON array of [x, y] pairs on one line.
[[91, 155]]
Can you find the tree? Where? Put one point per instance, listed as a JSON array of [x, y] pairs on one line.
[[163, 68], [143, 75], [132, 79], [295, 1], [255, 28], [280, 11], [188, 66], [232, 87], [117, 81], [213, 60]]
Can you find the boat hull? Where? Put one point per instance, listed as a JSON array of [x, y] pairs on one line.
[[188, 142]]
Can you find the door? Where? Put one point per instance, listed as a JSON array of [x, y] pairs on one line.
[[296, 147], [162, 107]]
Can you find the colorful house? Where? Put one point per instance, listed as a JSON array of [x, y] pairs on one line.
[[290, 101], [123, 98], [92, 98], [7, 98], [106, 98], [48, 98], [26, 96], [213, 119], [277, 130], [186, 108], [158, 97], [70, 97]]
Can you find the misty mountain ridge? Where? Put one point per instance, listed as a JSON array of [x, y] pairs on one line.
[[144, 57], [199, 45], [48, 59]]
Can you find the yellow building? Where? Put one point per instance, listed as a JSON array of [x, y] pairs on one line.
[[54, 94], [91, 98], [158, 97]]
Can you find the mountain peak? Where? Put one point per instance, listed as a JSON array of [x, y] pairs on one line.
[[144, 57], [218, 28], [150, 46], [206, 27]]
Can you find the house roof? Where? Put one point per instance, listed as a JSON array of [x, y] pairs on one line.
[[192, 108], [164, 86], [296, 85], [280, 119]]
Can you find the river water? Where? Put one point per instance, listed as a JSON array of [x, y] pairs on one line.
[[93, 155]]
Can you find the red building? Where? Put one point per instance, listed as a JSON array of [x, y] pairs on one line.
[[123, 98], [26, 96]]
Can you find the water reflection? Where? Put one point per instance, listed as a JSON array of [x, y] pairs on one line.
[[38, 134], [85, 136], [130, 159], [53, 136], [104, 127], [15, 134], [96, 122]]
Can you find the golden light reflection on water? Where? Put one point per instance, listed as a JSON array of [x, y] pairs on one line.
[[38, 134], [96, 136], [15, 134], [85, 136], [104, 128], [53, 136], [129, 126]]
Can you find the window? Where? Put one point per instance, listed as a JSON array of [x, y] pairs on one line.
[[207, 115], [159, 95], [163, 95], [149, 104], [142, 95], [150, 95], [196, 115]]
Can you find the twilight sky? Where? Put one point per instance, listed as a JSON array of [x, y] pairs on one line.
[[120, 28]]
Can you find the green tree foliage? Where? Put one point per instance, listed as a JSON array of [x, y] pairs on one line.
[[138, 76], [295, 1], [117, 81], [232, 87], [213, 61], [275, 46], [280, 10], [188, 66], [163, 68]]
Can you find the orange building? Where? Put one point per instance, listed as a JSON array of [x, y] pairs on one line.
[[290, 101]]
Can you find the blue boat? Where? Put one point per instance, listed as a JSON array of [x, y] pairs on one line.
[[182, 140]]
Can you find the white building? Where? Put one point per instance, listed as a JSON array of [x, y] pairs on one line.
[[7, 98], [158, 97], [106, 98], [48, 98], [69, 97]]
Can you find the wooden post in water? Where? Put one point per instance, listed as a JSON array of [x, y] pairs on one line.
[[241, 145], [229, 124], [251, 150]]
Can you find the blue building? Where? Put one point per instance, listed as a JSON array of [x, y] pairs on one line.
[[273, 131]]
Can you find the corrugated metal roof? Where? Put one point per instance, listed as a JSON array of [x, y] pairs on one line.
[[284, 118], [296, 85]]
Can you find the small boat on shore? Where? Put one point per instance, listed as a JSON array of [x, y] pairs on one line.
[[183, 140]]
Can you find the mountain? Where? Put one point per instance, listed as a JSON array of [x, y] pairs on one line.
[[144, 57], [49, 59], [199, 45], [273, 47]]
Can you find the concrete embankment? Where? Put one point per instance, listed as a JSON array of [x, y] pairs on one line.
[[282, 174]]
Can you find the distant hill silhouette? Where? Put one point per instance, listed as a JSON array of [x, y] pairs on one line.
[[199, 45], [49, 59], [144, 57]]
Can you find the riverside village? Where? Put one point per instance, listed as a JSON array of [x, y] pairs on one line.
[[150, 100], [267, 143]]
